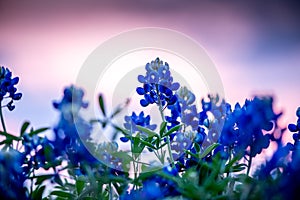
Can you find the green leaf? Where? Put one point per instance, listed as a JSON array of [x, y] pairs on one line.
[[41, 178], [230, 164], [24, 128], [117, 111], [63, 194], [162, 129], [190, 153], [161, 146], [208, 150], [197, 147], [9, 138], [40, 130], [48, 152], [156, 142], [149, 132], [173, 129], [58, 180], [148, 144], [79, 185], [101, 104], [38, 192], [235, 168], [138, 147], [124, 131]]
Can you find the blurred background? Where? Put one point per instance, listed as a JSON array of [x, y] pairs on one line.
[[255, 45]]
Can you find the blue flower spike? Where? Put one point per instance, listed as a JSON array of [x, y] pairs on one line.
[[8, 89], [158, 86], [132, 121]]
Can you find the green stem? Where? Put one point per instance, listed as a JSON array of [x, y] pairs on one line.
[[134, 159], [163, 119], [249, 163], [159, 157], [2, 119], [110, 191]]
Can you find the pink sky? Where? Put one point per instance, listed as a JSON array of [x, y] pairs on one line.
[[255, 47]]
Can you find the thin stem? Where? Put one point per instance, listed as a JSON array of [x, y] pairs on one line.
[[163, 119], [31, 185], [110, 191], [249, 163], [133, 157], [2, 119]]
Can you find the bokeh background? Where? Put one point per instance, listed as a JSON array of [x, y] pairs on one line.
[[255, 45]]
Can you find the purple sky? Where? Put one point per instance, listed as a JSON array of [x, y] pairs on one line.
[[255, 46]]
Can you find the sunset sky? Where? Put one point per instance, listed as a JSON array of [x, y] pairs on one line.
[[255, 46]]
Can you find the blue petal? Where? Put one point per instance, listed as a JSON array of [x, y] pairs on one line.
[[175, 86], [298, 112], [153, 77], [140, 91], [141, 79], [173, 100], [17, 96], [141, 115], [144, 103], [124, 139], [191, 98], [127, 126], [147, 88], [292, 128], [14, 80]]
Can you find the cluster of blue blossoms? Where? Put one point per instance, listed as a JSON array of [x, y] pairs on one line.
[[72, 129], [158, 84], [12, 177], [209, 148], [8, 89], [241, 133]]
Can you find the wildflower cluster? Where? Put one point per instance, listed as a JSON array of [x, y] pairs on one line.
[[8, 89], [202, 149], [158, 84]]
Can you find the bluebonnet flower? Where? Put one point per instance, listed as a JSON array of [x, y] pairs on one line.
[[243, 127], [133, 194], [219, 110], [132, 121], [39, 153], [188, 111], [71, 102], [183, 111], [284, 183], [173, 120], [179, 144], [295, 129], [168, 188], [206, 107], [8, 89], [11, 175], [195, 137], [72, 128], [159, 73], [156, 186], [158, 84], [108, 154]]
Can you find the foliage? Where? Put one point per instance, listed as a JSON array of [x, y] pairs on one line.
[[202, 153]]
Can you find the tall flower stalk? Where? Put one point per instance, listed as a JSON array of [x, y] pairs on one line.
[[159, 88], [8, 92]]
